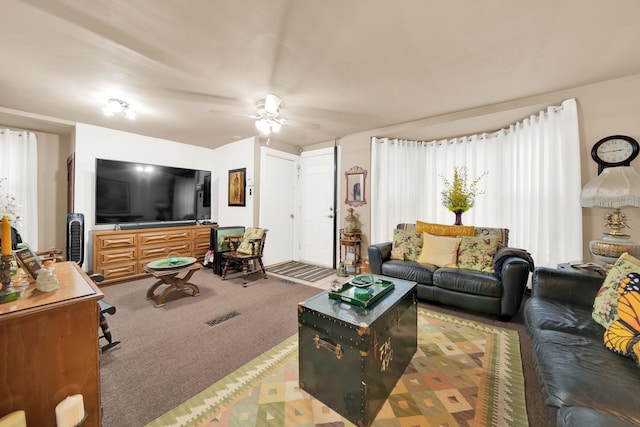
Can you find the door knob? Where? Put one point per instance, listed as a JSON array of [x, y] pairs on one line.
[[329, 216]]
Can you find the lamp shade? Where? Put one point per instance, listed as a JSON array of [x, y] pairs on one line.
[[615, 187]]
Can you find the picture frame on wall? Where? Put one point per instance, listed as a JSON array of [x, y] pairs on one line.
[[237, 186]]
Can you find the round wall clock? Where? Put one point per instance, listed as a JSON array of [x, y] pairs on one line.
[[614, 150]]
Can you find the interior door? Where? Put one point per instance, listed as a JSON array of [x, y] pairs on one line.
[[277, 198], [317, 208]]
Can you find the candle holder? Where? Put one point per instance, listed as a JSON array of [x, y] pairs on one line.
[[7, 293]]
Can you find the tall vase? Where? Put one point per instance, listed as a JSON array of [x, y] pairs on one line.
[[458, 218]]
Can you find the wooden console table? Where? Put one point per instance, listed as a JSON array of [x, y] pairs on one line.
[[50, 349]]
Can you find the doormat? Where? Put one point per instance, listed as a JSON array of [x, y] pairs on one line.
[[463, 373], [302, 271]]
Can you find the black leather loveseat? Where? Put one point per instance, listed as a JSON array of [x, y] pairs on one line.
[[498, 293], [584, 383]]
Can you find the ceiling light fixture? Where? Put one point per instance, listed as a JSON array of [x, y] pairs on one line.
[[268, 119], [117, 106]]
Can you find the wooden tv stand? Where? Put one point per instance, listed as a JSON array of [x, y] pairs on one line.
[[122, 254]]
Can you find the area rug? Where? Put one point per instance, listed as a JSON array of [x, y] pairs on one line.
[[464, 373], [300, 270]]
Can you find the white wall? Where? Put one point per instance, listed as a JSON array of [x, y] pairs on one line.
[[94, 142], [235, 155]]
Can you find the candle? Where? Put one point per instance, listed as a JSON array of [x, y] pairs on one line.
[[6, 236], [14, 419], [70, 411]]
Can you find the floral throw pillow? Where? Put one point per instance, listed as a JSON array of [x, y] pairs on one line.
[[406, 245], [476, 253], [605, 306], [250, 233]]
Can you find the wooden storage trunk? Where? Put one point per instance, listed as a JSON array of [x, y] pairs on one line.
[[350, 357]]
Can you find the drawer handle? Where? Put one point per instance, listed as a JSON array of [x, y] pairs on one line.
[[336, 349]]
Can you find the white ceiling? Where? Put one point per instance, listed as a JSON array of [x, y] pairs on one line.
[[193, 69]]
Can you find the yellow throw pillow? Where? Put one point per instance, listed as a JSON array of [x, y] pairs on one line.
[[439, 250], [444, 230]]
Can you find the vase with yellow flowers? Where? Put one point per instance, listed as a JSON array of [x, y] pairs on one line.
[[459, 195]]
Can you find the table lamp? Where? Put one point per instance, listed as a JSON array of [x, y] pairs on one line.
[[616, 187]]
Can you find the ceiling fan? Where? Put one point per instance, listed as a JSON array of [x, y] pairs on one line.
[[268, 119]]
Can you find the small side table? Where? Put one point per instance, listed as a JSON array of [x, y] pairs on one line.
[[170, 277], [588, 269], [350, 240]]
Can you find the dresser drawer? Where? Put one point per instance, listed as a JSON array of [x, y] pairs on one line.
[[111, 241], [118, 271], [158, 252], [117, 257], [155, 238]]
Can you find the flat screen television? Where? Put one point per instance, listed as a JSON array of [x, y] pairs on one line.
[[130, 192]]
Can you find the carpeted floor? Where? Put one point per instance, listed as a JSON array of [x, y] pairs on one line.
[[170, 354], [463, 373], [301, 271]]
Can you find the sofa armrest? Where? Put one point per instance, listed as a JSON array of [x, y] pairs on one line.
[[515, 275], [566, 286], [379, 253]]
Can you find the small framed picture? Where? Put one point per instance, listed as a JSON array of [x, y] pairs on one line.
[[28, 261], [237, 185]]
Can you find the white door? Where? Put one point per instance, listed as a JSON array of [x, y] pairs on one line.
[[277, 195], [317, 210]]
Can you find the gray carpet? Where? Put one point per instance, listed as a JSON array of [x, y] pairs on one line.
[[302, 271], [170, 353]]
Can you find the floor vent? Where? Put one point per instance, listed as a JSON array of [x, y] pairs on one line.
[[223, 318]]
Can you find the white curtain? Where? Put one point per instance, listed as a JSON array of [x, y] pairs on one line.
[[532, 186], [19, 165]]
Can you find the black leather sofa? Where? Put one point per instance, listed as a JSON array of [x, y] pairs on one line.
[[584, 383], [497, 294]]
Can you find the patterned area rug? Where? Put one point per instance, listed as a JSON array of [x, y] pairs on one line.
[[302, 271], [463, 374]]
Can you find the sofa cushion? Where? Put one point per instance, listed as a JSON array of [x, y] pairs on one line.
[[409, 270], [578, 371], [623, 335], [468, 281], [605, 306], [476, 253], [406, 245], [439, 250], [444, 230], [502, 234], [550, 314]]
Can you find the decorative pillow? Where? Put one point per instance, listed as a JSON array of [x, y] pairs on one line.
[[476, 253], [250, 233], [605, 306], [406, 245], [444, 230], [623, 336], [439, 251]]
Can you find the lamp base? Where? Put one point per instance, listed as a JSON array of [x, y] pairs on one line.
[[611, 246]]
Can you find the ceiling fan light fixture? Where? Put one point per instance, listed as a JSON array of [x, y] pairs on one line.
[[118, 106], [263, 126]]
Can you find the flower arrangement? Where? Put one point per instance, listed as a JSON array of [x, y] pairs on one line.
[[8, 206], [458, 195]]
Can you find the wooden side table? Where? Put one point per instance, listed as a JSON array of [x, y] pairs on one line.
[[170, 277]]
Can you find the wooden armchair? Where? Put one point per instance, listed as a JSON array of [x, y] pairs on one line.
[[245, 249]]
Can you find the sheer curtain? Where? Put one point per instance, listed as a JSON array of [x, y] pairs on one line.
[[19, 165], [532, 186]]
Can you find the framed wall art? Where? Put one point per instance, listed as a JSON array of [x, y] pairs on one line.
[[237, 186]]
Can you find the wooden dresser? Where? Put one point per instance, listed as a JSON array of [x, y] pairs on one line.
[[49, 344], [122, 254]]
